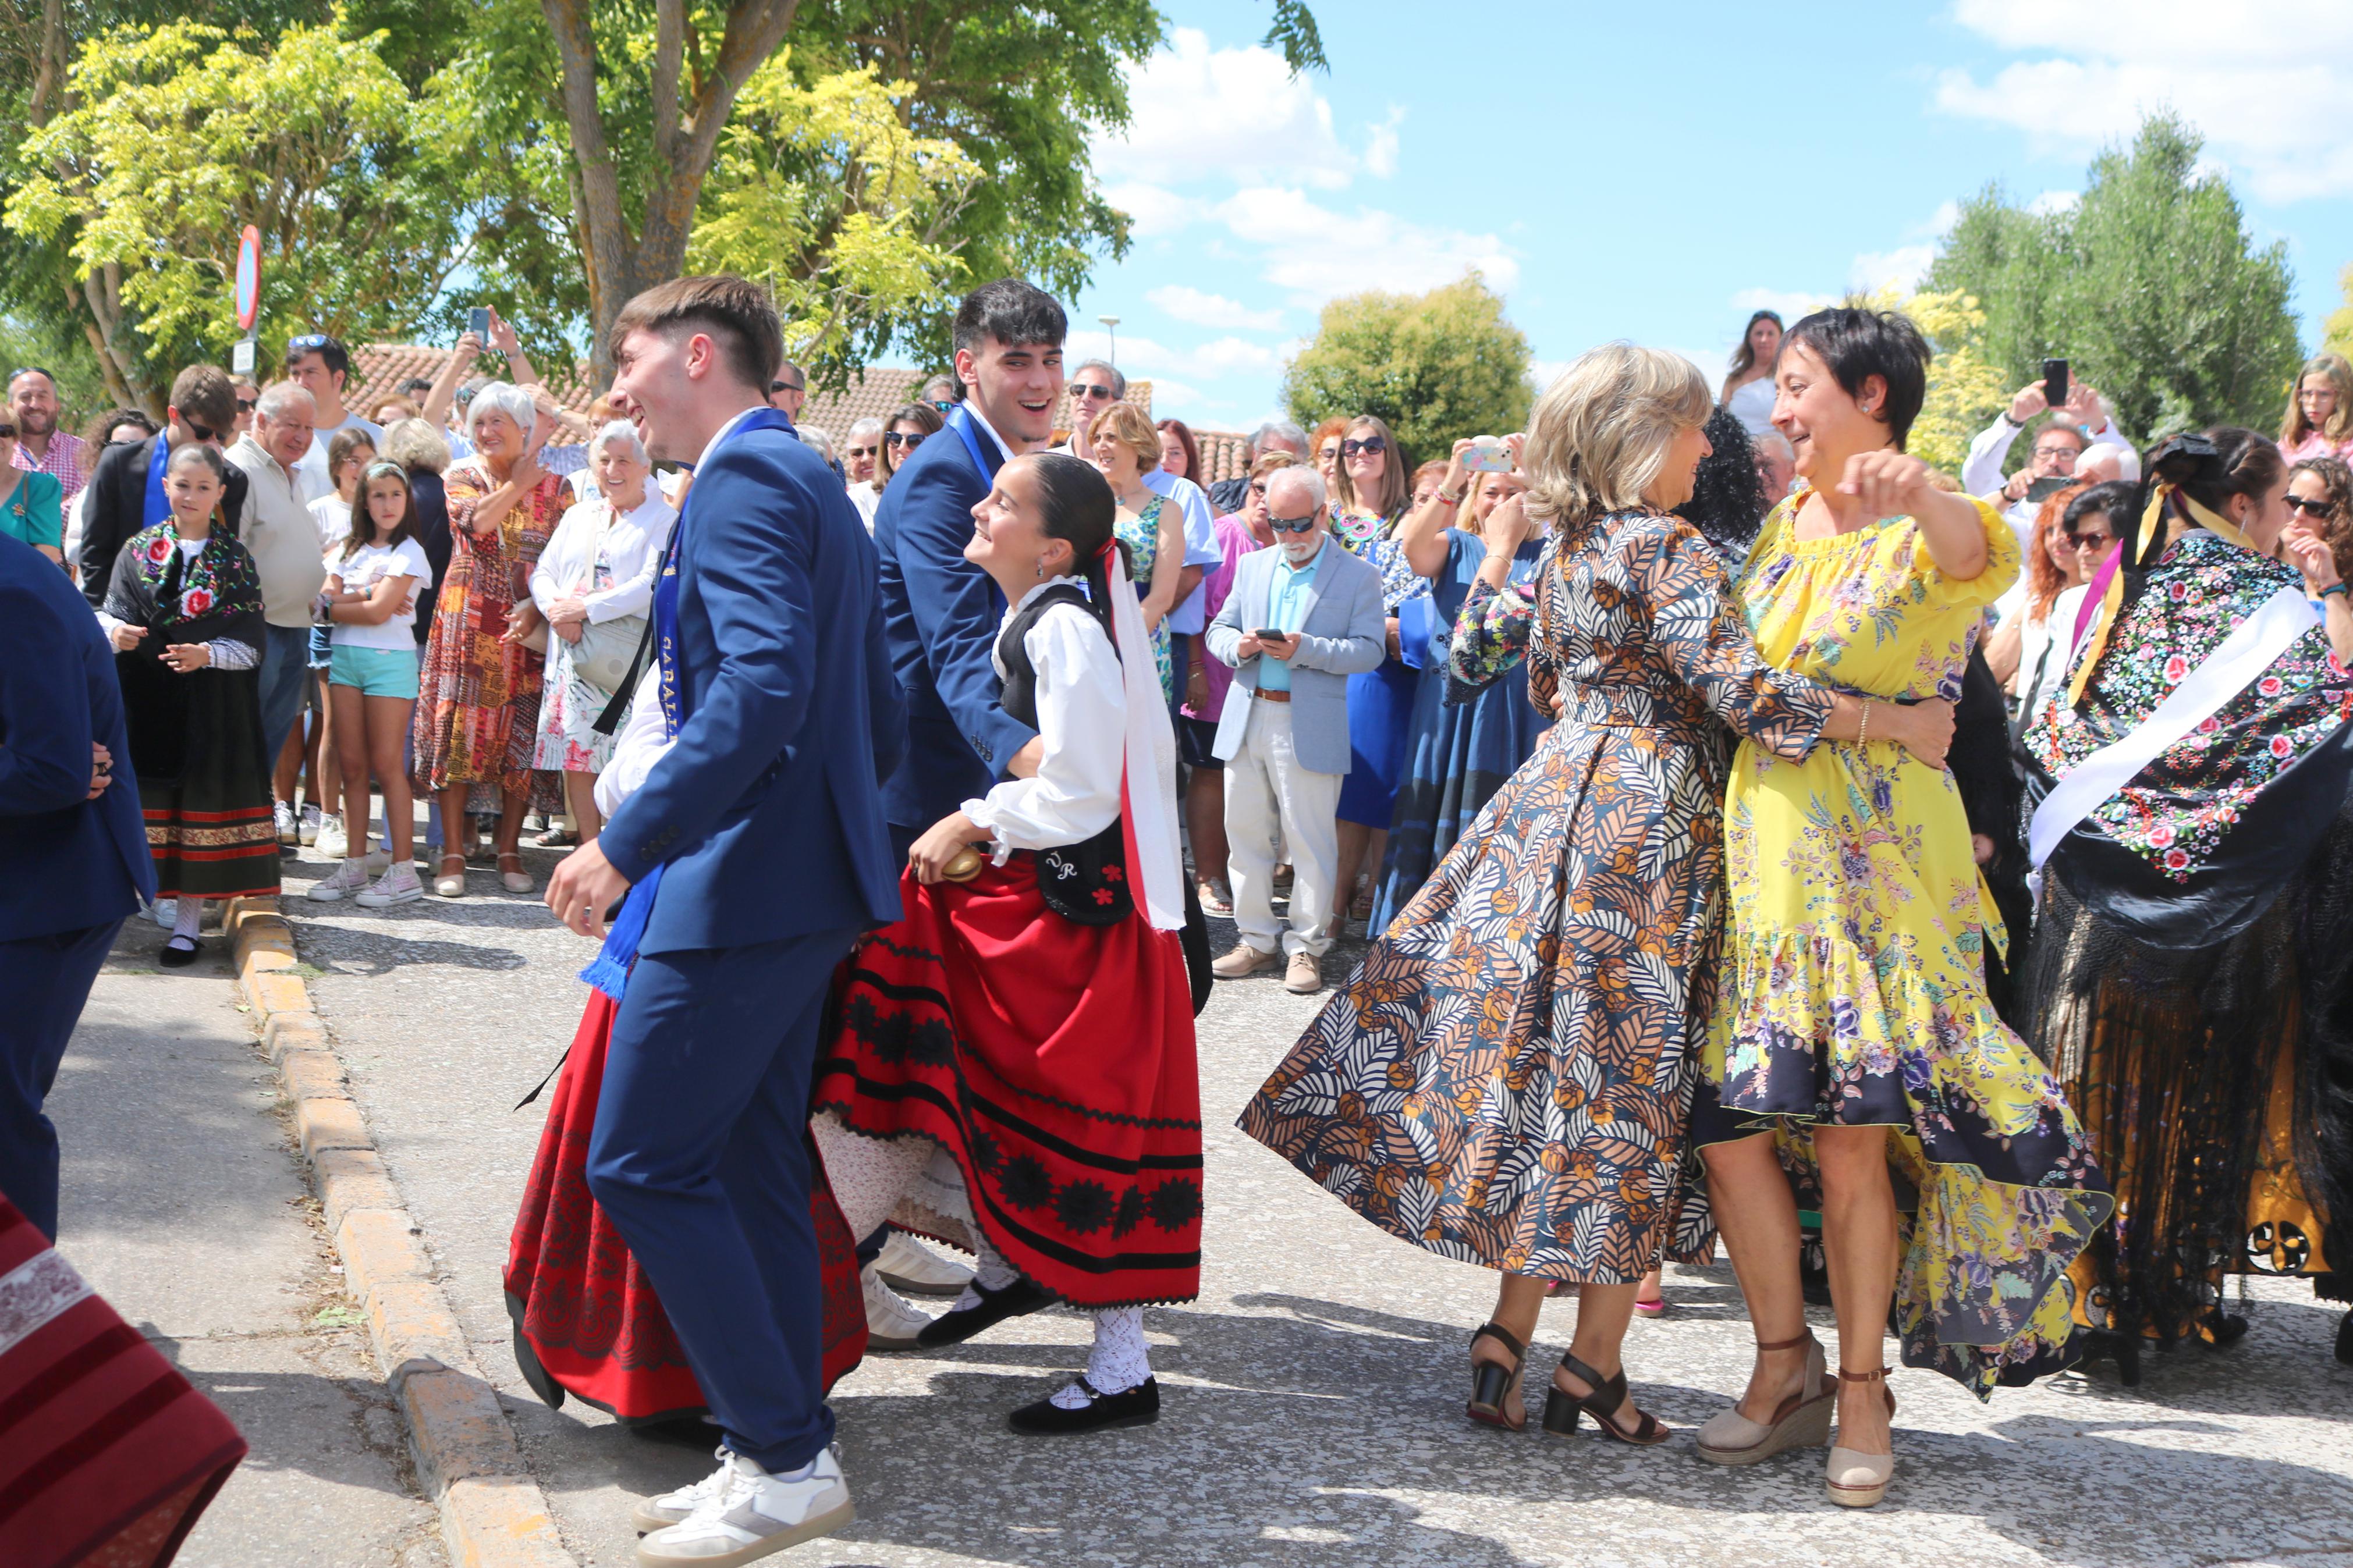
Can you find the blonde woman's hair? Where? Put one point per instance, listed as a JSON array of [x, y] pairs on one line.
[[415, 444], [1125, 424], [1600, 432], [2295, 426]]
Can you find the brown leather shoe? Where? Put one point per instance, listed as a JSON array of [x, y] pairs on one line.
[[1244, 960], [1304, 977]]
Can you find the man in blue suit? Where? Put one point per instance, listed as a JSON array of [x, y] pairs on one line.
[[760, 833], [941, 613], [73, 850]]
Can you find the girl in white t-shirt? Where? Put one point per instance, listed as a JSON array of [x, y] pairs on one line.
[[374, 579]]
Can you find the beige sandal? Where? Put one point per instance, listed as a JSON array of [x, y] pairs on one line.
[[451, 884], [1856, 1480], [1802, 1420], [516, 880]]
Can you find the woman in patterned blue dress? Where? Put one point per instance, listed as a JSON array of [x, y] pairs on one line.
[[1506, 1080], [1369, 495]]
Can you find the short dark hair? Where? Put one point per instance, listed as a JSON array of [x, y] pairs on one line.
[[1858, 344], [736, 311], [2114, 501], [414, 386], [331, 352], [1011, 310], [22, 371], [101, 430], [204, 394]]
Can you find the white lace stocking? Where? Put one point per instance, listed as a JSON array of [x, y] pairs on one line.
[[989, 1270], [1119, 1361]]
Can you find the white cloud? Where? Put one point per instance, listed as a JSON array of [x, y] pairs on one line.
[[2051, 203], [1195, 307], [1197, 113], [1904, 267], [1788, 303], [1156, 209], [1319, 254], [1219, 359], [2246, 76], [1381, 144]]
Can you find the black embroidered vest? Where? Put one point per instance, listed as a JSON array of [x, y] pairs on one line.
[[1087, 882]]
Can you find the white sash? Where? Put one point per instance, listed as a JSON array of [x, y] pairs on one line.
[[2241, 658]]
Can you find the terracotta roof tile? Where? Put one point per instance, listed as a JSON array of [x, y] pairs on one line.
[[379, 368]]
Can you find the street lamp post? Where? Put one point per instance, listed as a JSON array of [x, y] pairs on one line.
[[1111, 324]]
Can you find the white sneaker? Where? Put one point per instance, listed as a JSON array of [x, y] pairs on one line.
[[378, 861], [908, 1266], [331, 841], [164, 912], [890, 1323], [347, 879], [676, 1507], [287, 832], [755, 1515], [308, 829], [399, 885]]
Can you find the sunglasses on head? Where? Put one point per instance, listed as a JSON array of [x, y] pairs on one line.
[[1291, 524], [1085, 390], [307, 342], [1351, 446], [905, 438]]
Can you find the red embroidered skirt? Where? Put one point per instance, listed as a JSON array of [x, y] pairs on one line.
[[1054, 1060], [587, 1319], [107, 1453]]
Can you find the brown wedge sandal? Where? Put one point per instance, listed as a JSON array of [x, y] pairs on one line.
[[1495, 1390], [1608, 1397], [1802, 1420]]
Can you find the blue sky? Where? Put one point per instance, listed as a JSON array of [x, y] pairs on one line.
[[1655, 172]]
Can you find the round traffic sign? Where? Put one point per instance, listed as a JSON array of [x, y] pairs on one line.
[[249, 277]]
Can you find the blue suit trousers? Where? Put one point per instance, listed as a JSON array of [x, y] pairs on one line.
[[699, 1154], [47, 979]]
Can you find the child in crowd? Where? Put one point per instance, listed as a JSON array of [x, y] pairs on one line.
[[183, 610], [373, 582]]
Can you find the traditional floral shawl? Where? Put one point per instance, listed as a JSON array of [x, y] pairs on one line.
[[2248, 765], [216, 595]]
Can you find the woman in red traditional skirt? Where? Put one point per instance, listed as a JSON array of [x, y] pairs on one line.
[[587, 1321], [1031, 1022]]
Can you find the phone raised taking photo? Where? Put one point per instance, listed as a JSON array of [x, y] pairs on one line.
[[478, 321], [2054, 381], [2044, 488], [1483, 459]]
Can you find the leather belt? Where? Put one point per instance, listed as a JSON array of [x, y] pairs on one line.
[[1274, 696]]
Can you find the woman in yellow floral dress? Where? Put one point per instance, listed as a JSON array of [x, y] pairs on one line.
[[1853, 995]]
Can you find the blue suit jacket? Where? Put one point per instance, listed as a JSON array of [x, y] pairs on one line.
[[767, 809], [942, 615], [67, 862]]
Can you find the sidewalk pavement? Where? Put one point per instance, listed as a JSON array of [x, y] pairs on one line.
[[1313, 1394], [186, 1209]]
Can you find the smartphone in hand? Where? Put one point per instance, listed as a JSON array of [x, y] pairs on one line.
[[478, 321], [1271, 634], [1483, 457], [2054, 382]]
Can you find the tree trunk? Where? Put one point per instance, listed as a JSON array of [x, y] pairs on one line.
[[622, 262]]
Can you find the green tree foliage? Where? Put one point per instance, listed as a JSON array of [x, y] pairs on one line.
[[181, 135], [2149, 287], [1437, 366], [2336, 332]]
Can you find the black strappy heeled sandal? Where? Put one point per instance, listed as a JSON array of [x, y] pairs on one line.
[[1562, 1408], [1495, 1390]]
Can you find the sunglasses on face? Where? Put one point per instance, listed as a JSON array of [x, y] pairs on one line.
[[201, 432], [245, 405], [908, 438], [863, 451], [8, 431], [1084, 393], [1291, 524], [788, 386], [2086, 541], [1351, 446], [2309, 507]]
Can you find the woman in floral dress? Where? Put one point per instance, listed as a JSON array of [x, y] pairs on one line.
[[2192, 976], [1367, 505], [1506, 1079], [478, 703], [1853, 999], [1126, 448]]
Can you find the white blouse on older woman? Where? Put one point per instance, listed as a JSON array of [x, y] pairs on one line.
[[626, 546]]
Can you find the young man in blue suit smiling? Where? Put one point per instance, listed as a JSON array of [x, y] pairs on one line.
[[758, 842], [941, 613]]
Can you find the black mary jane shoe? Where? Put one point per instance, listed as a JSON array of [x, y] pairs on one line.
[[179, 957], [1138, 1406], [953, 1328]]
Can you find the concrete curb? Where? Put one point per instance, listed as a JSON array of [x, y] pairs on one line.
[[493, 1514]]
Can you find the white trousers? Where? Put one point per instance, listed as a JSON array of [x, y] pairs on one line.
[[1272, 800]]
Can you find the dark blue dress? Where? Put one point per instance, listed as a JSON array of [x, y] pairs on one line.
[[1457, 754], [1380, 705]]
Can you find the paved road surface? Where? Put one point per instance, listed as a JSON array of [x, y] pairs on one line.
[[185, 1206], [1313, 1392]]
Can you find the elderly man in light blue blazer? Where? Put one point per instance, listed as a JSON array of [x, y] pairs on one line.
[[1284, 734]]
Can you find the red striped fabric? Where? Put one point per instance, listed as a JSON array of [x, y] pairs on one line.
[[107, 1453]]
